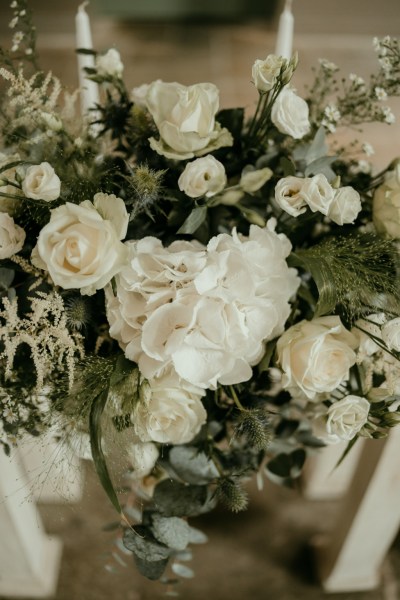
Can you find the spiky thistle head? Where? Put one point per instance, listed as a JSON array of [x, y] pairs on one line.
[[230, 493], [253, 425], [79, 313]]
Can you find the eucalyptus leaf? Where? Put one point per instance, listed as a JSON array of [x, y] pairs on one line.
[[317, 148], [153, 569], [174, 499], [171, 531], [287, 465], [196, 536], [182, 570], [194, 220], [192, 466], [141, 542]]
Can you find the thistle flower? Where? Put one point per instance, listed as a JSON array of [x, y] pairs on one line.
[[253, 424], [230, 493], [79, 313]]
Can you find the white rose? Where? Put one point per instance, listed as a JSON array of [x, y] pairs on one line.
[[203, 177], [288, 195], [290, 114], [142, 457], [316, 356], [252, 179], [346, 417], [185, 118], [81, 249], [345, 206], [318, 193], [41, 182], [174, 414], [110, 64], [12, 236], [391, 334], [386, 205], [139, 93], [265, 72]]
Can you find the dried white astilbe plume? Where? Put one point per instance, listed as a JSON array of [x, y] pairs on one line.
[[28, 99], [45, 331]]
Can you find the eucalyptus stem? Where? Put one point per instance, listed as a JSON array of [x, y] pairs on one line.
[[235, 398]]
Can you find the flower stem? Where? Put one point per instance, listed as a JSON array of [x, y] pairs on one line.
[[235, 398]]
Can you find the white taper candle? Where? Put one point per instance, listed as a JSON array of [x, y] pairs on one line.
[[89, 89], [284, 40]]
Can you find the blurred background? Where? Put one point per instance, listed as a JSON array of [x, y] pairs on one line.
[[263, 553]]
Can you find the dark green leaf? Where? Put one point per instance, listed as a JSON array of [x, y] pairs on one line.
[[174, 499], [6, 278], [192, 466], [99, 460], [194, 220], [153, 569], [287, 465], [287, 167], [232, 119], [266, 359], [141, 542]]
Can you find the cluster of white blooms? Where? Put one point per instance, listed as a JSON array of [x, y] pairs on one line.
[[203, 177], [295, 194], [331, 117], [110, 64], [203, 312]]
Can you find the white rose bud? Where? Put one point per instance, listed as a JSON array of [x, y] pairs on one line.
[[265, 72], [203, 177], [290, 114], [252, 180], [316, 356], [318, 193], [345, 205], [346, 417], [110, 64], [288, 195], [12, 236], [142, 457], [51, 121], [386, 205], [41, 183], [185, 118], [391, 334]]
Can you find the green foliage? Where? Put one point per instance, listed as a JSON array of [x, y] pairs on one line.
[[174, 499], [191, 224], [192, 465], [352, 271]]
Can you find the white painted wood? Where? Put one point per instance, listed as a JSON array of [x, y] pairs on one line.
[[322, 479], [369, 519], [29, 558]]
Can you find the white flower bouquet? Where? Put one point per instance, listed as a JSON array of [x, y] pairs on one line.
[[195, 294]]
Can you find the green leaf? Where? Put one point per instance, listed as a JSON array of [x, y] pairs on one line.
[[6, 278], [194, 220], [174, 499], [321, 272], [317, 148], [171, 531], [192, 466], [196, 536], [153, 570], [266, 359], [287, 465], [321, 165], [182, 570], [141, 542], [232, 119], [99, 460], [287, 167]]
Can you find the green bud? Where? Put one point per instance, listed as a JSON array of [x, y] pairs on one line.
[[254, 426], [231, 494]]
